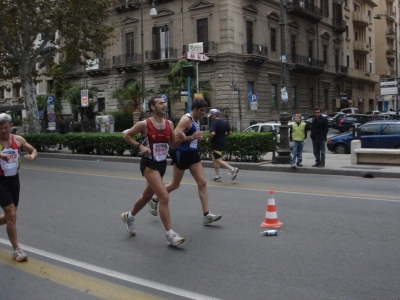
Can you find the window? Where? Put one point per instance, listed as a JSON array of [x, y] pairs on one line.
[[325, 8], [336, 60], [249, 36], [326, 94], [390, 129], [347, 32], [250, 87], [129, 50], [370, 66], [274, 88], [370, 129], [310, 49], [356, 7], [202, 33], [369, 15], [293, 47], [348, 61], [344, 3], [294, 97], [370, 42], [310, 98], [2, 93], [161, 42], [273, 39], [325, 53], [357, 64], [17, 92], [356, 36], [101, 104]]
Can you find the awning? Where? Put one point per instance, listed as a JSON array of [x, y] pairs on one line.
[[6, 108]]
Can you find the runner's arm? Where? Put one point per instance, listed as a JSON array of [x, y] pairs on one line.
[[32, 153]]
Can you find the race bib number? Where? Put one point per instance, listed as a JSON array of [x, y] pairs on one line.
[[160, 151], [10, 168], [193, 144]]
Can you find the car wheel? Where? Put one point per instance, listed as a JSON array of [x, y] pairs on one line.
[[341, 149], [397, 147]]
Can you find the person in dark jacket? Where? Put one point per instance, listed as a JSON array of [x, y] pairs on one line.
[[63, 129], [319, 132]]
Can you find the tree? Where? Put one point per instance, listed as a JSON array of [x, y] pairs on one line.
[[34, 31], [129, 96], [178, 81]]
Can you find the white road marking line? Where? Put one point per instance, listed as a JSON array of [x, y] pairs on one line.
[[114, 274]]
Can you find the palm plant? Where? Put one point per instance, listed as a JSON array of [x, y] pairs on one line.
[[129, 96]]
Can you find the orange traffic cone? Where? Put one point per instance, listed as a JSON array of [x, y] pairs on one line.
[[271, 217]]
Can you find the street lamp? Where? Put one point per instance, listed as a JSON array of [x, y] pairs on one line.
[[378, 17], [153, 13]]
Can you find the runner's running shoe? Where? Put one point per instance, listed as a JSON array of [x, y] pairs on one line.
[[129, 223], [216, 178], [153, 206], [175, 239], [211, 218], [19, 255], [234, 173]]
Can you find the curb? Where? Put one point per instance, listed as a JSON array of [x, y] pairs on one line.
[[360, 171]]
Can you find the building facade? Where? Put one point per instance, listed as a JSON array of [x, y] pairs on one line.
[[329, 61]]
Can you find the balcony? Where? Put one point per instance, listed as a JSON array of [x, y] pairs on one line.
[[341, 70], [373, 2], [360, 19], [305, 64], [363, 75], [360, 47], [255, 53], [125, 5], [127, 62], [208, 48], [161, 58], [339, 26], [390, 34], [304, 10], [390, 53], [75, 71], [98, 66]]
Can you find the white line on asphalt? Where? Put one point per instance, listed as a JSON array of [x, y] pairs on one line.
[[114, 274], [228, 187]]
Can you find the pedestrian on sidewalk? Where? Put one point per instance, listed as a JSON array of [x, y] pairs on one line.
[[10, 145], [188, 157], [62, 129], [319, 133], [219, 129], [157, 135], [298, 134]]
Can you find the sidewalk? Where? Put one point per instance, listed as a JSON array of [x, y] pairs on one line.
[[335, 164]]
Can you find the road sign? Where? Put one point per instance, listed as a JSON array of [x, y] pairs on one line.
[[253, 105], [51, 125], [196, 48], [50, 99], [285, 97], [197, 56], [389, 83], [254, 98], [389, 90], [84, 98], [164, 96], [51, 117]]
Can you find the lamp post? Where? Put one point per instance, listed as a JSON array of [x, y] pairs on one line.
[[153, 13], [378, 17], [284, 117]]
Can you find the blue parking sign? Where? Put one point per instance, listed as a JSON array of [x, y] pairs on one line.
[[164, 96], [50, 99]]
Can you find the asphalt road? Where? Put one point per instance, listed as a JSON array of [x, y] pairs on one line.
[[339, 238]]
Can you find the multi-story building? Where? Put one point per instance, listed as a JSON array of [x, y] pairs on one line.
[[329, 59], [385, 44]]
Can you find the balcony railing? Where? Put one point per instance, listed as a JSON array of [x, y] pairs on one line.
[[163, 54], [255, 49], [126, 59], [363, 75], [304, 10], [339, 26], [307, 61], [341, 69], [390, 33], [390, 53]]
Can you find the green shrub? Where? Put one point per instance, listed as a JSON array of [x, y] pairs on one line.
[[123, 120], [239, 146]]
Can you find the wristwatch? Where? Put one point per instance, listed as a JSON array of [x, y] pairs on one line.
[[191, 138]]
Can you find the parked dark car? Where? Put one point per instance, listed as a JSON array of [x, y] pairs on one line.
[[376, 134], [347, 121]]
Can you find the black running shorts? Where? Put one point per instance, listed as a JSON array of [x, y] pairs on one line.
[[184, 159], [154, 165], [9, 190]]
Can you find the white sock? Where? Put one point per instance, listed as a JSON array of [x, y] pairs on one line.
[[170, 233], [232, 169], [130, 216]]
